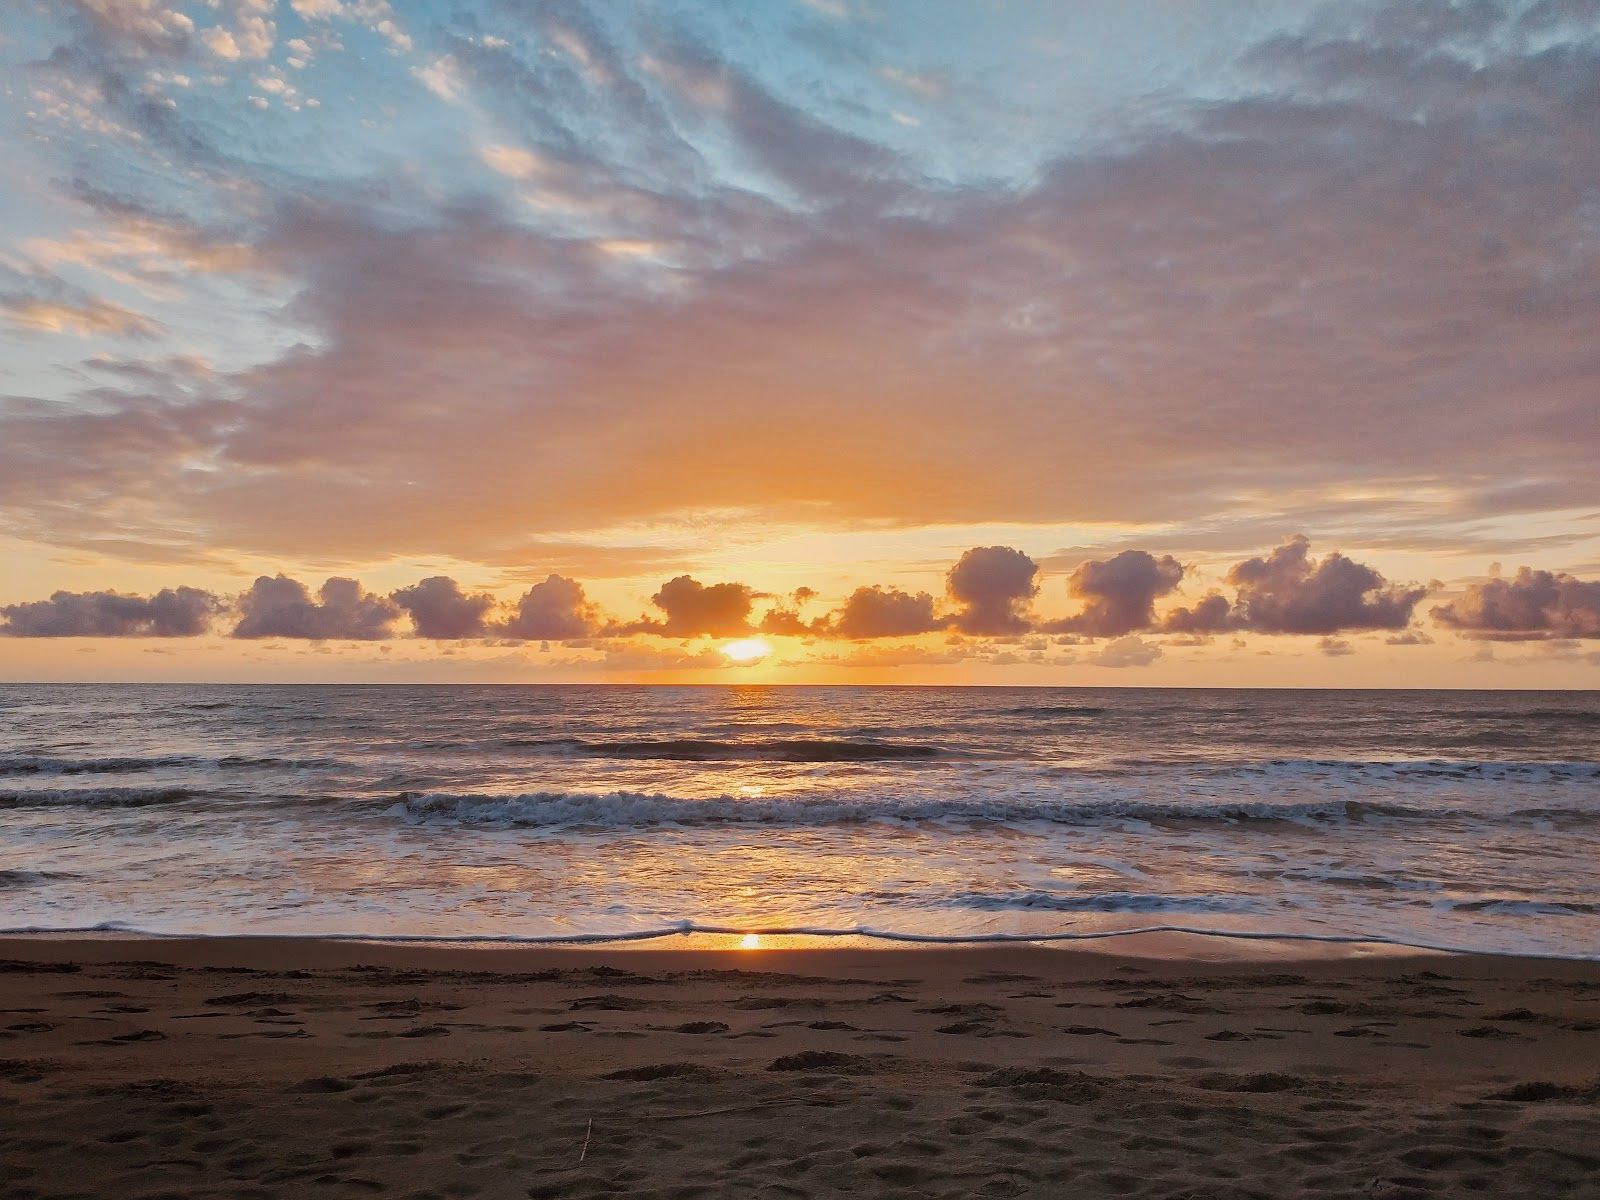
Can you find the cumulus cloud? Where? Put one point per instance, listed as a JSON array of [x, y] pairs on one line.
[[785, 622], [554, 610], [1288, 591], [1532, 605], [440, 609], [1119, 594], [142, 25], [693, 609], [883, 612], [171, 612], [992, 585], [1213, 613], [277, 606]]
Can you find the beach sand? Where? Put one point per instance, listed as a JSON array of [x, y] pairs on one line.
[[270, 1068]]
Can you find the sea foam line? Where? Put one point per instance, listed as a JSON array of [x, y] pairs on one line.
[[676, 928]]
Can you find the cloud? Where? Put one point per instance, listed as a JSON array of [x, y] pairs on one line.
[[1231, 292], [694, 609], [87, 319], [1411, 637], [1119, 594], [1213, 613], [1335, 647], [1288, 591], [171, 612], [992, 585], [139, 25], [1533, 605], [440, 609], [554, 610], [883, 612], [280, 607], [785, 622], [1129, 651]]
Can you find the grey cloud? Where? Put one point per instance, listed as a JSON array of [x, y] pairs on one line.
[[171, 612], [1410, 637], [1213, 613], [440, 609], [277, 606], [992, 585], [787, 621], [1288, 591], [784, 622], [1128, 651], [1533, 605], [1119, 594], [554, 610], [693, 608], [883, 612]]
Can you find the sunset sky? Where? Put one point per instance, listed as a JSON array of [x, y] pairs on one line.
[[1133, 342]]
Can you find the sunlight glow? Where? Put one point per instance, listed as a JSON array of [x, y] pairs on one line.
[[747, 650], [750, 941]]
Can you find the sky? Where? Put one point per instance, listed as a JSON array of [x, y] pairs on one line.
[[1137, 342]]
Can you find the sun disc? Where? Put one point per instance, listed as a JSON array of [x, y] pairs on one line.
[[746, 650]]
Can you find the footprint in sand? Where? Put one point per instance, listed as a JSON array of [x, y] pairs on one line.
[[653, 1071], [701, 1027], [831, 1061]]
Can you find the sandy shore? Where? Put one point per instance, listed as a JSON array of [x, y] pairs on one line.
[[271, 1068]]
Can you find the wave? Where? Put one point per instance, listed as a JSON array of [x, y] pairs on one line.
[[625, 809], [1320, 769], [1054, 710], [10, 880], [1502, 907], [43, 764], [111, 797], [1581, 716], [1104, 902], [796, 750]]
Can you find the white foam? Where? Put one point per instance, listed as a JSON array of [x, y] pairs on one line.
[[676, 928]]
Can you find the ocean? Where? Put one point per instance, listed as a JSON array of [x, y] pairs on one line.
[[1456, 820]]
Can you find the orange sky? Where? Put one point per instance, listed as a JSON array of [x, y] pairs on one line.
[[561, 306]]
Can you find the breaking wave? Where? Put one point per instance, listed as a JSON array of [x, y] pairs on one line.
[[111, 797], [44, 764], [1106, 902]]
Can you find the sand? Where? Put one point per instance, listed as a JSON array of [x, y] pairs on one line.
[[278, 1068]]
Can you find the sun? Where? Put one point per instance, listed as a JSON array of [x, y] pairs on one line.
[[747, 650]]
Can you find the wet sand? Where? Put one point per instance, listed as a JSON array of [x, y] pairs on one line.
[[281, 1068]]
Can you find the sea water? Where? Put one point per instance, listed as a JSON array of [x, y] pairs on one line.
[[1464, 820]]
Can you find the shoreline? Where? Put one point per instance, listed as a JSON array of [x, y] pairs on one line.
[[1157, 943], [1067, 959]]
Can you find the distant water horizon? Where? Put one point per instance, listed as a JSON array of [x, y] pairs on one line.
[[1441, 818], [630, 685]]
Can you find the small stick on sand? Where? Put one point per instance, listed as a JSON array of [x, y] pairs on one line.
[[587, 1134]]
